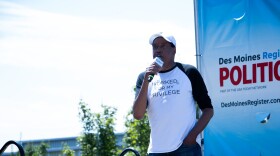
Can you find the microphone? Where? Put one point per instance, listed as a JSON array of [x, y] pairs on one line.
[[159, 62]]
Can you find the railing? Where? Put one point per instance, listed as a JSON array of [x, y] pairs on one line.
[[21, 151], [129, 150]]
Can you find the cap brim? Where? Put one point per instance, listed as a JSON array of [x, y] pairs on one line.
[[154, 36]]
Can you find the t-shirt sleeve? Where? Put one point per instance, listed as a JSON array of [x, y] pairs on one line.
[[199, 88], [139, 83]]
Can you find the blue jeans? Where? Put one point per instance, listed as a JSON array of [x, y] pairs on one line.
[[183, 150]]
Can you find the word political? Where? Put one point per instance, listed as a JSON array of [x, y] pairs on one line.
[[258, 71]]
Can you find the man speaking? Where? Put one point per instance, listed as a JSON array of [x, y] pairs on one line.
[[170, 99]]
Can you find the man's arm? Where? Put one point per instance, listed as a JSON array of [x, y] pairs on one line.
[[207, 114], [140, 102]]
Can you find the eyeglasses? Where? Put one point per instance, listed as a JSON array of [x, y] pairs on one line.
[[160, 47]]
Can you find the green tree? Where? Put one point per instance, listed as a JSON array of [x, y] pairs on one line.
[[29, 150], [40, 150], [138, 133], [106, 136], [66, 151], [88, 139], [98, 136]]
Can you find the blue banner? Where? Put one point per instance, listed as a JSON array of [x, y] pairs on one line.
[[238, 45]]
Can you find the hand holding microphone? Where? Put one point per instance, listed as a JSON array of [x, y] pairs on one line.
[[158, 61]]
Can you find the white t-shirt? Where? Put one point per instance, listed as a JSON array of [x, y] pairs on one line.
[[171, 105], [171, 110]]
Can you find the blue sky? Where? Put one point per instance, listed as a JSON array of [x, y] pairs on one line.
[[54, 53]]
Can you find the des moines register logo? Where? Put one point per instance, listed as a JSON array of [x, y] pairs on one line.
[[250, 73]]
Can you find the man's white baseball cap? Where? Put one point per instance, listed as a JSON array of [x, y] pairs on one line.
[[168, 37]]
